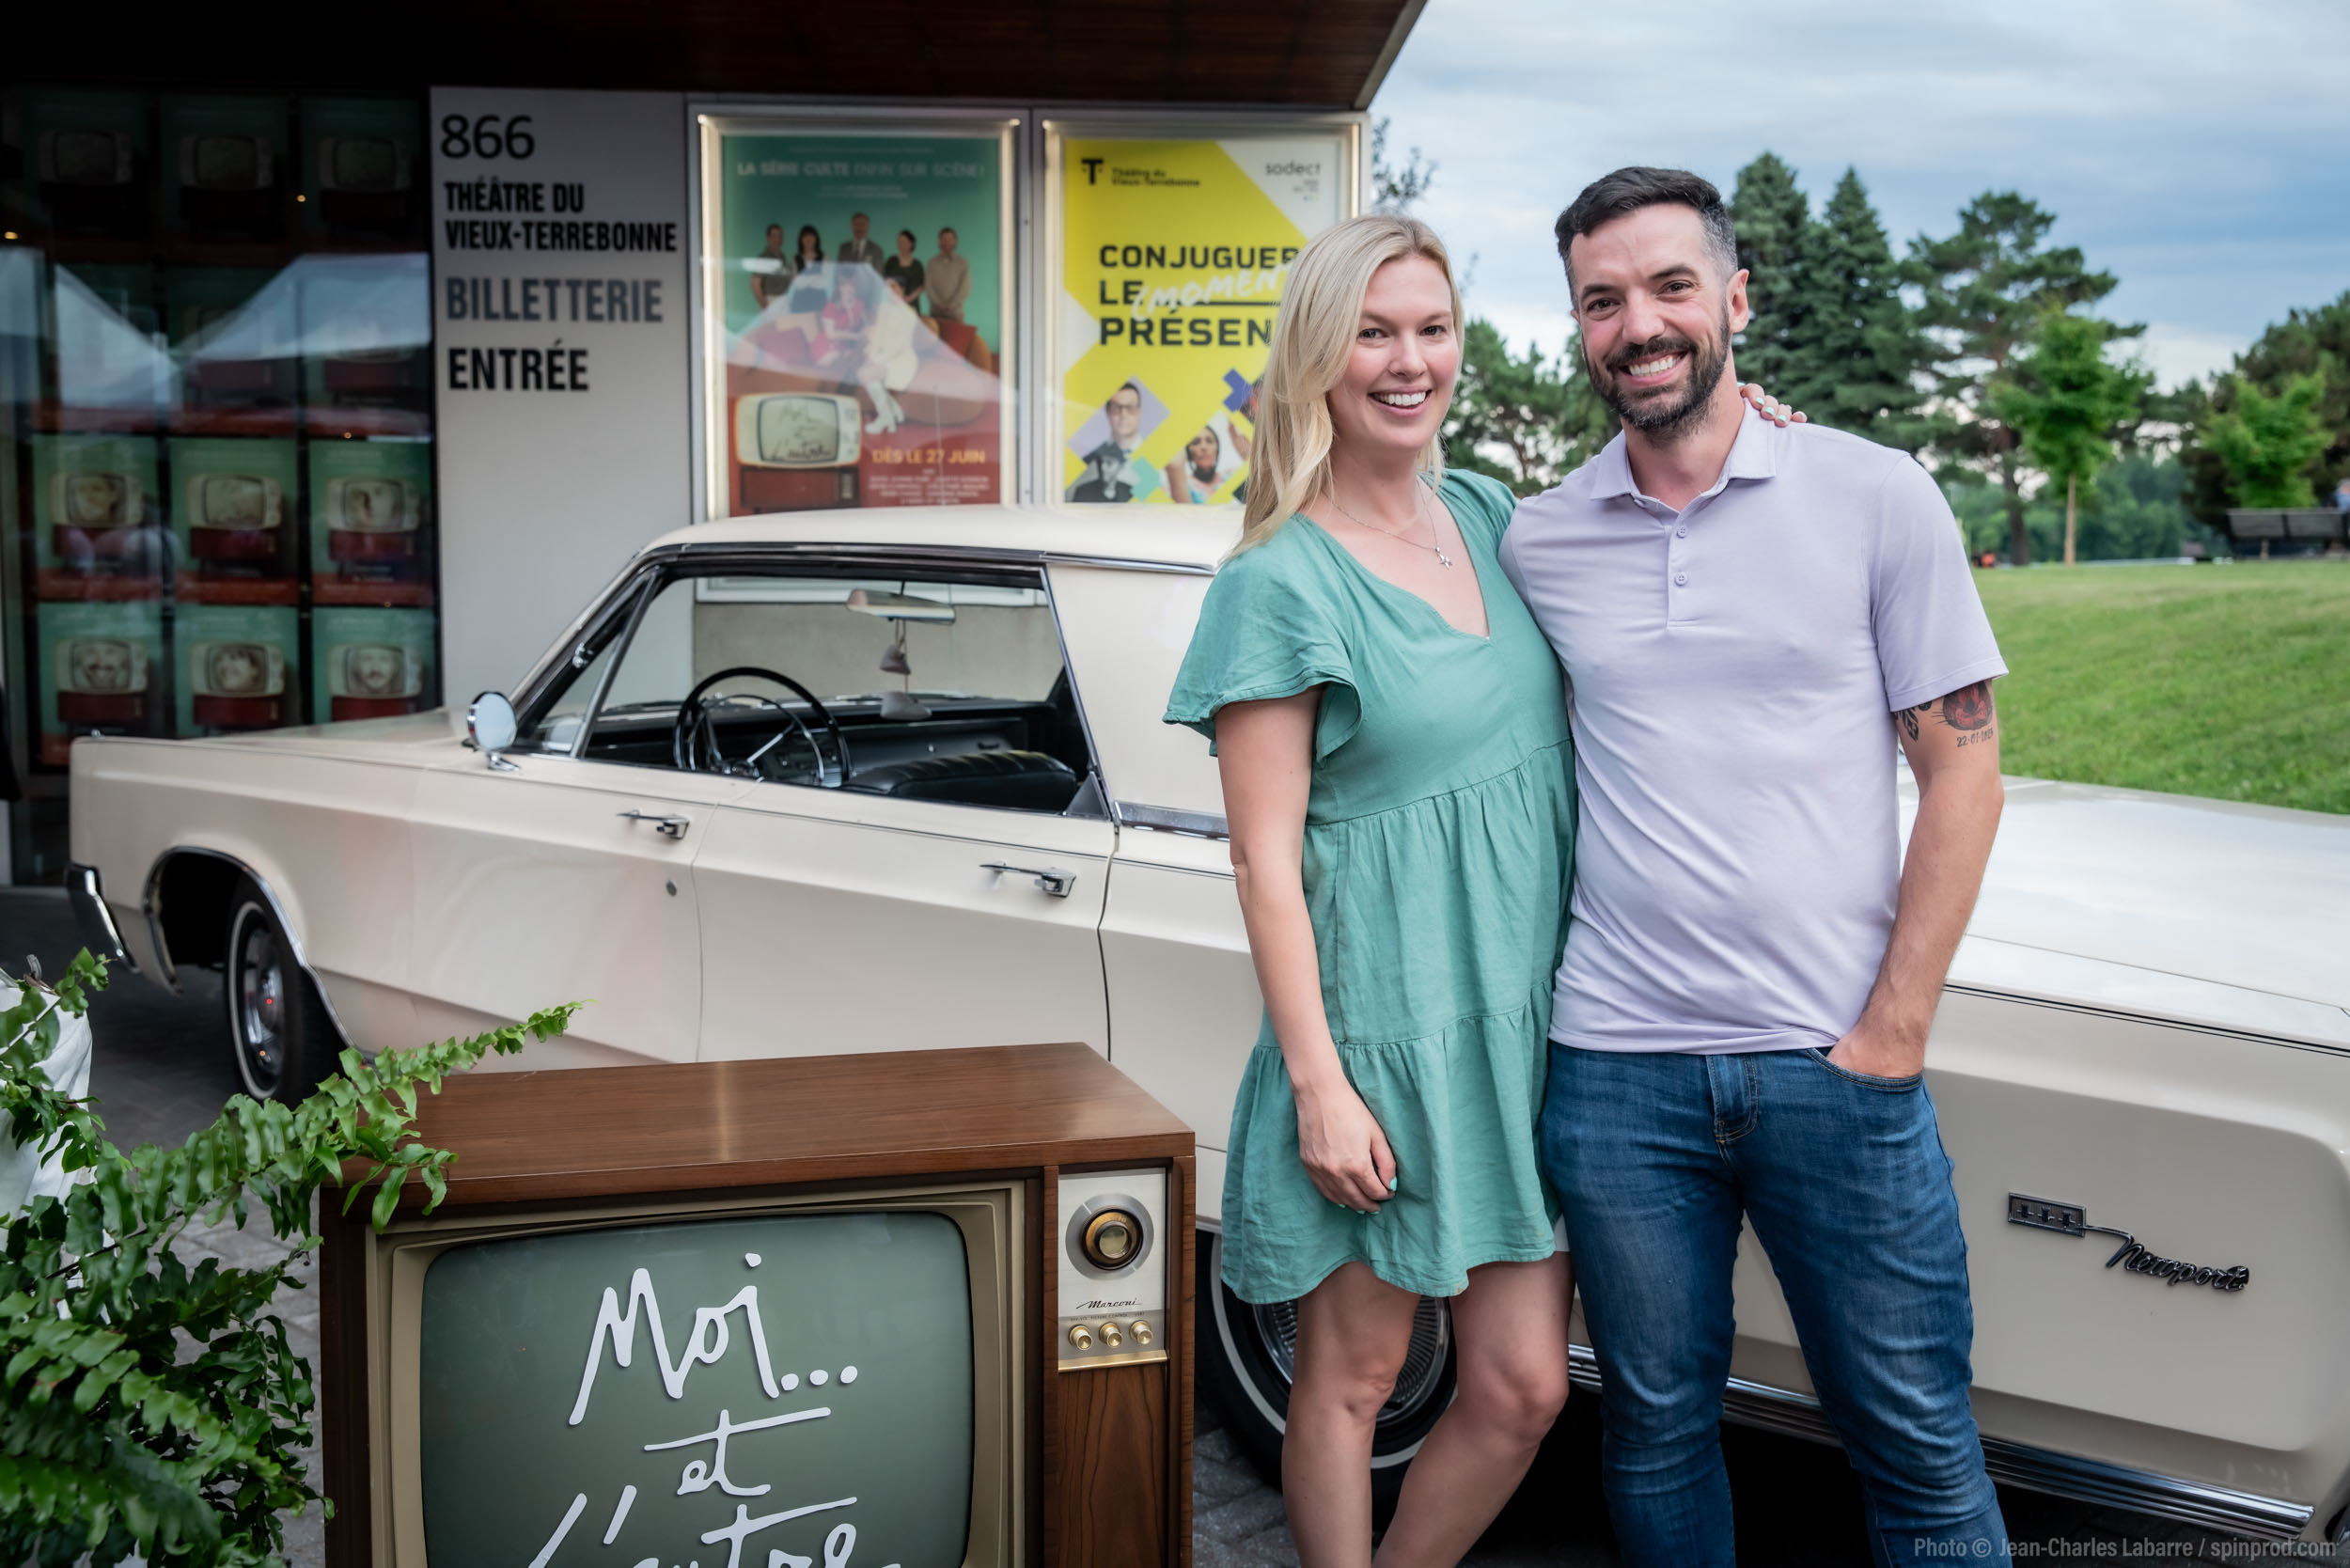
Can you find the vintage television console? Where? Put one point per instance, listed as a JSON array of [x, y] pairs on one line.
[[798, 451], [925, 1309]]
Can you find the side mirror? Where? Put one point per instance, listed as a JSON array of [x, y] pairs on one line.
[[490, 724]]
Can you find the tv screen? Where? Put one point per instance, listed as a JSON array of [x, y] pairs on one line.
[[371, 506], [100, 667], [234, 501], [85, 158], [237, 669], [362, 163], [215, 163], [772, 1389], [798, 430], [373, 671], [95, 499]]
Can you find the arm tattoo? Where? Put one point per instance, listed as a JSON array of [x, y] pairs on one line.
[[1966, 710]]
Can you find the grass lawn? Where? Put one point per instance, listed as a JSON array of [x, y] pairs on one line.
[[2227, 681]]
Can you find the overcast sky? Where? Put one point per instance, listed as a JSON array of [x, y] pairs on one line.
[[2198, 148]]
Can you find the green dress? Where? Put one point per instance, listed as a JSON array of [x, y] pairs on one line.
[[1439, 845]]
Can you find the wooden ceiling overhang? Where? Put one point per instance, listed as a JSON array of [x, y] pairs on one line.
[[1317, 54]]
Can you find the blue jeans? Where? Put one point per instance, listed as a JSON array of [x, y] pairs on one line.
[[1657, 1155]]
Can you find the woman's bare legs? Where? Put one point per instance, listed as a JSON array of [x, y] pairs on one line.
[[1510, 1342], [1353, 1331], [1510, 1349]]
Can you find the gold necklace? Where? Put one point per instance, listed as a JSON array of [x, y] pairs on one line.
[[1435, 547]]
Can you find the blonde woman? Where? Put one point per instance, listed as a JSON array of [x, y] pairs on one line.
[[1391, 728], [1392, 735]]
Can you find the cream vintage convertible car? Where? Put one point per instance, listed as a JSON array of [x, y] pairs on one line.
[[2142, 1061]]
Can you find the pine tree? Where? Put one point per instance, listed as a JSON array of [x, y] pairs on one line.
[[1774, 221], [1861, 340], [1985, 289]]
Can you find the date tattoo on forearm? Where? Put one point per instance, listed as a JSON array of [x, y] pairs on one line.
[[1966, 710]]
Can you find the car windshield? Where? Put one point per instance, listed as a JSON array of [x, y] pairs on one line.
[[948, 688]]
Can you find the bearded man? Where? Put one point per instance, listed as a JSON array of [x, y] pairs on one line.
[[1752, 618]]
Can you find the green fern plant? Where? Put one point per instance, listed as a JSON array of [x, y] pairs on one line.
[[145, 1405]]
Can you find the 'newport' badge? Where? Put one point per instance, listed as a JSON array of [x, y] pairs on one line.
[[2071, 1219]]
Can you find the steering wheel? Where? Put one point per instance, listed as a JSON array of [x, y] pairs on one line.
[[694, 735]]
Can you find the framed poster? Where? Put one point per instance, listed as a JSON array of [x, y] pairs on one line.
[[857, 318], [1174, 253]]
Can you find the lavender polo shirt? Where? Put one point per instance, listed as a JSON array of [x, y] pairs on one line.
[[1733, 667]]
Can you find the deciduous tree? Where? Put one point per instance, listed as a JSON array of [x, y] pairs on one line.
[[1984, 289], [1528, 420], [2306, 342], [2265, 444], [2066, 401]]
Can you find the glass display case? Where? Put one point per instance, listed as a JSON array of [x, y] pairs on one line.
[[216, 460]]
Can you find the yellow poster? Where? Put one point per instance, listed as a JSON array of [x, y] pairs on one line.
[[1174, 256]]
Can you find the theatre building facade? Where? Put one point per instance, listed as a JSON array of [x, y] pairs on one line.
[[325, 396]]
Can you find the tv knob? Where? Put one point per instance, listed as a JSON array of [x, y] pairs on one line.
[[1110, 1337], [1081, 1337], [1112, 1239], [1140, 1330]]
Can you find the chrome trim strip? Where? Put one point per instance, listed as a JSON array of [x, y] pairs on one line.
[[965, 554], [2062, 1475], [2191, 1026], [151, 902], [1164, 819], [98, 931]]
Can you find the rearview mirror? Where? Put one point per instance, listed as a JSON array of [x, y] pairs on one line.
[[898, 606], [490, 723]]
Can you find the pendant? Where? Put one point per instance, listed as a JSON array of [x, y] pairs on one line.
[[1443, 560]]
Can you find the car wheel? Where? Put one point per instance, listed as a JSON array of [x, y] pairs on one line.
[[1247, 1355], [276, 1027]]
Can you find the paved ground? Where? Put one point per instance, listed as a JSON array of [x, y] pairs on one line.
[[162, 1070]]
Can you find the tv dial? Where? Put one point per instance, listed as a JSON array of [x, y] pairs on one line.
[[1081, 1337], [1111, 1239], [1111, 1337], [1140, 1330]]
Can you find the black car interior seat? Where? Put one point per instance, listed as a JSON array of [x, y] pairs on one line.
[[1018, 780]]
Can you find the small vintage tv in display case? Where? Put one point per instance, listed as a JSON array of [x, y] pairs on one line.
[[100, 680], [798, 451], [89, 179], [365, 180], [238, 685], [227, 181], [371, 521], [372, 680], [235, 518], [929, 1309]]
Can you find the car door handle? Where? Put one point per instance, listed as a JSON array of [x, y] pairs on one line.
[[1052, 879], [667, 825]]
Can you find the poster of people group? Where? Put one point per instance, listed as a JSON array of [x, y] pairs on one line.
[[1174, 254], [860, 305]]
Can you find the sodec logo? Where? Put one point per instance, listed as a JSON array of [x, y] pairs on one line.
[[1292, 168]]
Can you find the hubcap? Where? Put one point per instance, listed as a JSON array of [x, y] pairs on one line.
[[261, 1008], [1421, 1379]]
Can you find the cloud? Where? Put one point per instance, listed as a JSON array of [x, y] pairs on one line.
[[2184, 145]]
